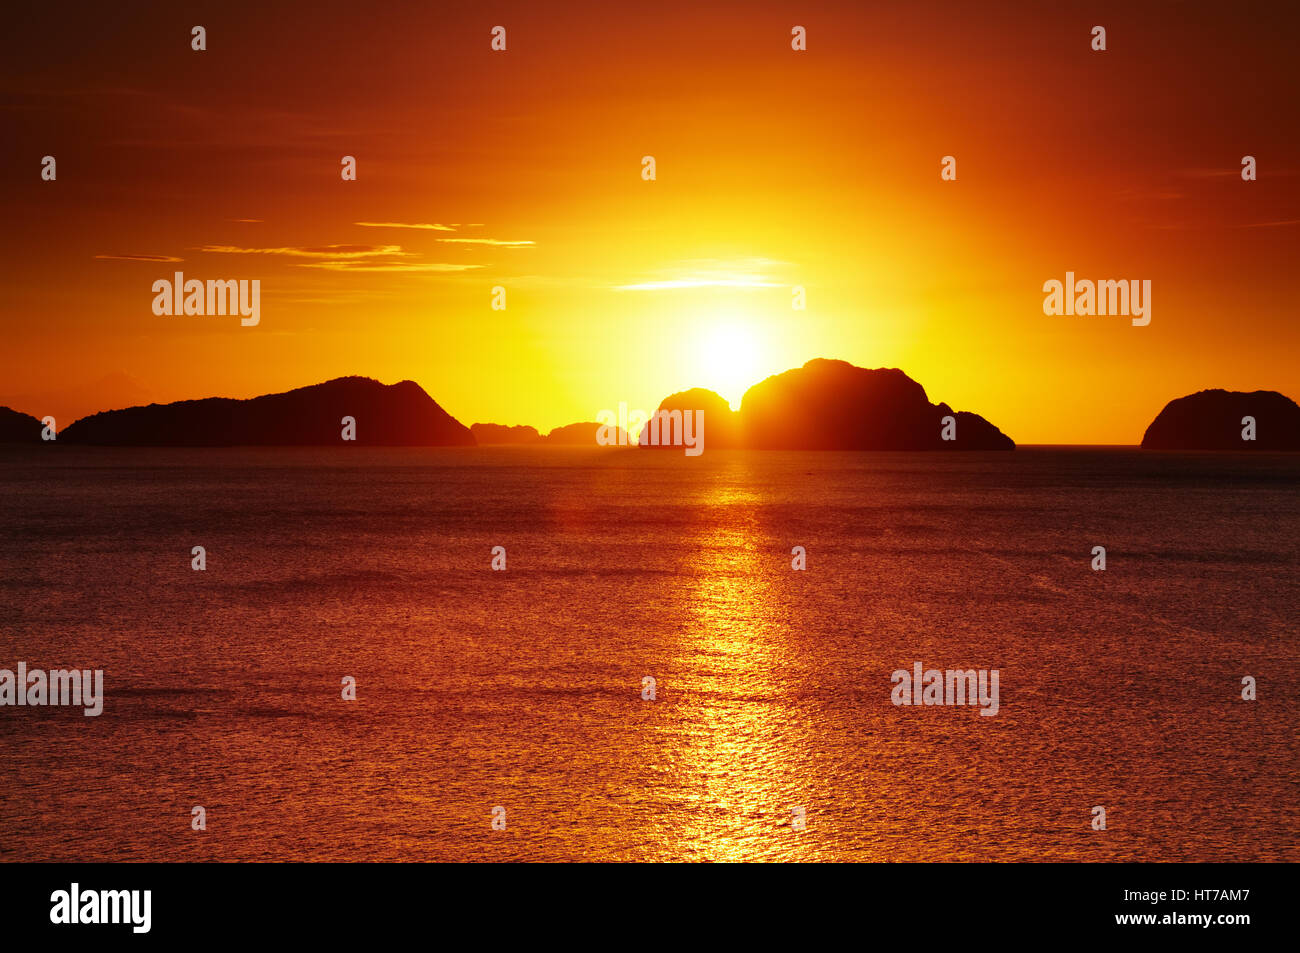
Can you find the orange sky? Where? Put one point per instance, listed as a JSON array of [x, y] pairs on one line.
[[775, 169]]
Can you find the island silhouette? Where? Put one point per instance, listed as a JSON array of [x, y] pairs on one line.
[[392, 415], [823, 405], [570, 435], [18, 428], [835, 405], [488, 435], [1222, 419]]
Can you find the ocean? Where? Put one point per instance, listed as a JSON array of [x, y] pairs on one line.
[[771, 734]]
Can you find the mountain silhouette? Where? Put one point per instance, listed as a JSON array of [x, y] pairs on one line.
[[824, 405], [835, 405], [69, 401], [570, 435], [394, 415], [722, 430], [500, 434], [1212, 420], [19, 428], [584, 435]]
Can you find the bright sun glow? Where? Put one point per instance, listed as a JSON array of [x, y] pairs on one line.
[[731, 360]]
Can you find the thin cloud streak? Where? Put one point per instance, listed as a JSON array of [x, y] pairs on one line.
[[1289, 221], [370, 266], [333, 252], [699, 283], [163, 258], [426, 226], [486, 241]]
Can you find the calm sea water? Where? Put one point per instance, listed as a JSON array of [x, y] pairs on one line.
[[522, 688]]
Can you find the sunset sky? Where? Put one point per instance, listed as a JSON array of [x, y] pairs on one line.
[[775, 168]]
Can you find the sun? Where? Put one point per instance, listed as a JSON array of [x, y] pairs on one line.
[[731, 359]]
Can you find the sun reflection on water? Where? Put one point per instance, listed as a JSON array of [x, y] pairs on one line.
[[745, 767]]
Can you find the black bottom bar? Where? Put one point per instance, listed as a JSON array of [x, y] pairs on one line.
[[946, 904]]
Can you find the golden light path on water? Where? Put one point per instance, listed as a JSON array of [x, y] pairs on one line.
[[745, 753]]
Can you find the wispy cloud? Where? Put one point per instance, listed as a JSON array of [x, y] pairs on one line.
[[698, 283], [485, 241], [712, 273], [426, 226], [373, 266], [1185, 226], [138, 258], [1233, 172], [333, 252], [391, 259]]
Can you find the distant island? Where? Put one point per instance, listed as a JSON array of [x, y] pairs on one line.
[[18, 428], [835, 405], [722, 429], [823, 405], [1226, 420], [570, 435], [385, 415], [486, 435]]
